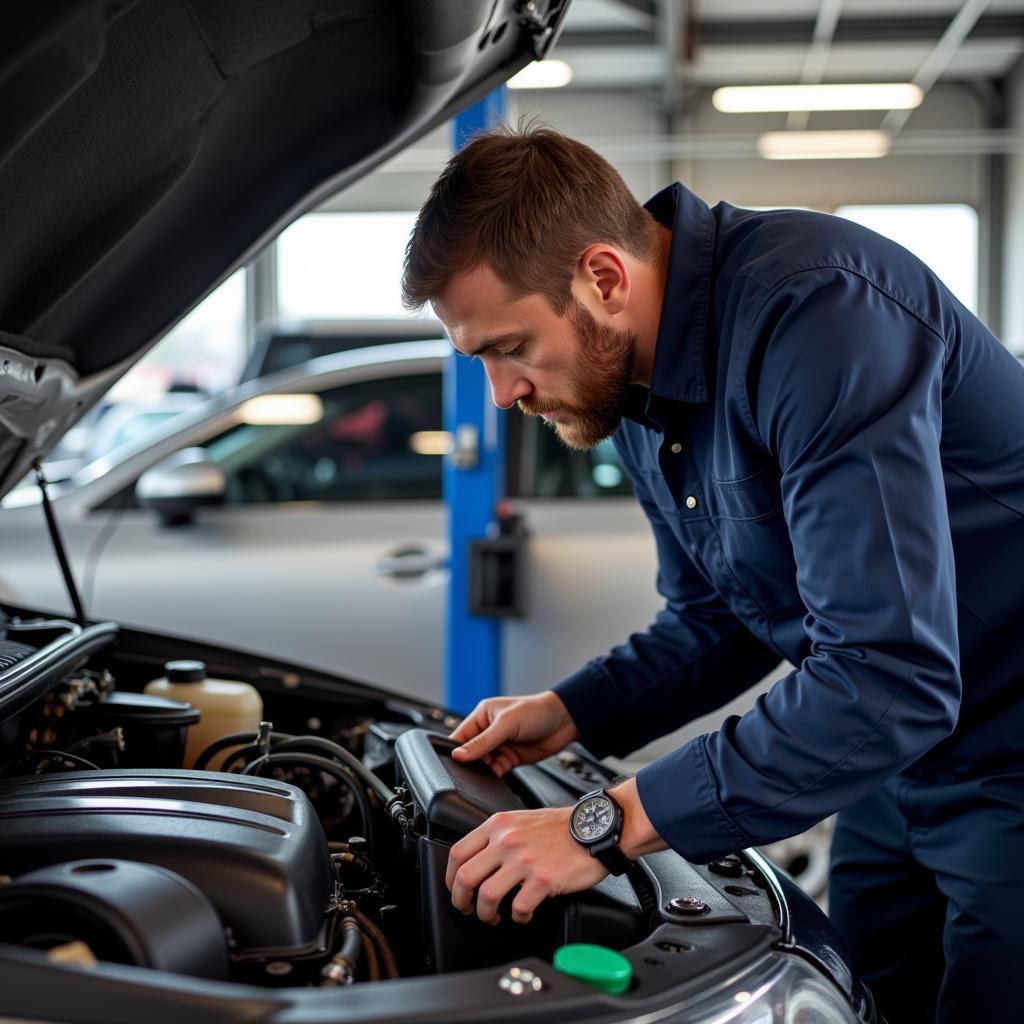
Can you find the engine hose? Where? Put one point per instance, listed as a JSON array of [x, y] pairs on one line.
[[332, 768], [361, 862], [379, 787], [372, 958], [234, 739], [341, 968], [393, 805], [379, 938], [252, 751]]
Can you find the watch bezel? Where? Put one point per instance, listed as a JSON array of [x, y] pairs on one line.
[[614, 826]]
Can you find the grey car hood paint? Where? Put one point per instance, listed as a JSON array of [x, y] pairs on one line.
[[150, 147]]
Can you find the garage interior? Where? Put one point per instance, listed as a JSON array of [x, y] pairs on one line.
[[298, 469]]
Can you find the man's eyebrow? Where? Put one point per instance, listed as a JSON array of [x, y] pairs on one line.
[[496, 340]]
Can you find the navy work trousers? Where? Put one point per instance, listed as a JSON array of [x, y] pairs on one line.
[[927, 890]]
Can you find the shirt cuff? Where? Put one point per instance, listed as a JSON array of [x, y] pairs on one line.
[[680, 797], [592, 699]]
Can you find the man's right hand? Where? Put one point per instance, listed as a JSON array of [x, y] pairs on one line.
[[507, 731]]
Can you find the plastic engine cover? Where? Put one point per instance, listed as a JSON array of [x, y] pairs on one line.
[[254, 847]]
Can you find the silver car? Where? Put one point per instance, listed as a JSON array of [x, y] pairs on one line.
[[301, 516]]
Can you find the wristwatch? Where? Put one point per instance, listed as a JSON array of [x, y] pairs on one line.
[[596, 823]]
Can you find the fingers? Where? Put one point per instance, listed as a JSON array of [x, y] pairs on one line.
[[470, 875], [527, 900], [493, 890], [502, 760], [463, 851], [486, 741], [472, 724]]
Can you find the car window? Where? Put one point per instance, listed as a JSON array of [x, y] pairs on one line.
[[366, 442], [547, 469]]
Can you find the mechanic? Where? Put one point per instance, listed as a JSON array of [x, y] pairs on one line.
[[830, 450]]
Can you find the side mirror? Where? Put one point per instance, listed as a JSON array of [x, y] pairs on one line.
[[176, 486]]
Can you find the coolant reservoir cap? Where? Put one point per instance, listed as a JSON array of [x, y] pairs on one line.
[[185, 671], [599, 966]]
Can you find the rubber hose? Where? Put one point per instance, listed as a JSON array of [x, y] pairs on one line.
[[338, 771], [386, 952], [341, 968], [379, 787], [372, 958], [233, 739]]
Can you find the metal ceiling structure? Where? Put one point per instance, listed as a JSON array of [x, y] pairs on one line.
[[622, 43]]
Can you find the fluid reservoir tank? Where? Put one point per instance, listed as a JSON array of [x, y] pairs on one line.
[[225, 706]]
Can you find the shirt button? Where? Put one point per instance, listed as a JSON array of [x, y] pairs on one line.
[[691, 502], [676, 448]]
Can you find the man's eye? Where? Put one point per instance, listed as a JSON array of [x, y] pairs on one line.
[[515, 352]]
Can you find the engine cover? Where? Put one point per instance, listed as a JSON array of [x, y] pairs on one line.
[[254, 847]]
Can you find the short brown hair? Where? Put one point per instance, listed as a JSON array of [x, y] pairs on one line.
[[527, 201]]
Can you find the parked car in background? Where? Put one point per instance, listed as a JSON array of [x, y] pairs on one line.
[[323, 539]]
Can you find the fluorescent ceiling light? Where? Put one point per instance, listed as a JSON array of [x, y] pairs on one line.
[[282, 410], [542, 74], [822, 145], [758, 99]]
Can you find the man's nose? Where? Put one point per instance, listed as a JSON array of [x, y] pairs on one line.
[[507, 386]]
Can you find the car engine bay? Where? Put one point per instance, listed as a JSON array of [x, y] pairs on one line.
[[315, 857]]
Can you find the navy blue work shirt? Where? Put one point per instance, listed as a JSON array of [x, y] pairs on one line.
[[831, 456]]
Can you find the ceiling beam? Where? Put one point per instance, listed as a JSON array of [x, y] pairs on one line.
[[938, 60], [816, 58], [768, 31], [851, 29]]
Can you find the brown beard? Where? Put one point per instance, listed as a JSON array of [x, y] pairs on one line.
[[598, 380]]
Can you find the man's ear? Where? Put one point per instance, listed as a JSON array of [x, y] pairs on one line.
[[603, 275]]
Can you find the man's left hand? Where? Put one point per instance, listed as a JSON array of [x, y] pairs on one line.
[[531, 849]]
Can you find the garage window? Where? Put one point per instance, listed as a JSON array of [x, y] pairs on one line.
[[945, 236], [343, 266]]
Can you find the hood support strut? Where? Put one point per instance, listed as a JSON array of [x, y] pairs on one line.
[[58, 546]]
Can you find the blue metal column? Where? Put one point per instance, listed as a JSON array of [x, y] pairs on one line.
[[472, 486]]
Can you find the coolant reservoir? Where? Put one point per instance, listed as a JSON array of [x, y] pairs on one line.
[[225, 706]]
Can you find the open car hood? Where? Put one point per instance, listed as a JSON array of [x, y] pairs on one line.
[[149, 147]]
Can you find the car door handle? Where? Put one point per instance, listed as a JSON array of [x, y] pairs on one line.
[[408, 563]]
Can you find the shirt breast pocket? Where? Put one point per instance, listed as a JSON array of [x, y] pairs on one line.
[[755, 540]]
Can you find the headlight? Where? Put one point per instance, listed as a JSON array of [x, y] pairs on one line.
[[779, 989]]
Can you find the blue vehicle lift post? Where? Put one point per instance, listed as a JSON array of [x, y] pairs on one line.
[[474, 480]]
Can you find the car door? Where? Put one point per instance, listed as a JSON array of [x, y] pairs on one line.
[[592, 565], [327, 549]]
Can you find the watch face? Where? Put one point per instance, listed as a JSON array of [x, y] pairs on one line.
[[593, 818]]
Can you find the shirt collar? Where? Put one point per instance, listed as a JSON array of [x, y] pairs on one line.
[[679, 373]]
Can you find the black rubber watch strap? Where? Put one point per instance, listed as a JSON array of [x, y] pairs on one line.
[[610, 854]]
